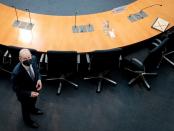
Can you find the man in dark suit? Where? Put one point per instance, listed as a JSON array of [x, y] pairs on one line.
[[27, 84]]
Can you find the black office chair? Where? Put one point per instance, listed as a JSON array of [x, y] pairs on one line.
[[4, 58], [142, 68], [169, 49], [61, 65], [100, 63], [43, 64], [3, 48]]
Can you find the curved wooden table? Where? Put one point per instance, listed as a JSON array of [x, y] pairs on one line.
[[55, 32]]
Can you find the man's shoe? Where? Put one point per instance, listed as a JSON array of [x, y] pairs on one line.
[[37, 112], [33, 124]]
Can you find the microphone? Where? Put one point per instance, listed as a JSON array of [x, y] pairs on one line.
[[141, 13], [15, 13], [150, 6], [75, 14], [29, 14]]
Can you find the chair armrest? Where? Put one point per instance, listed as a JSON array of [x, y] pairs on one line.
[[6, 53], [120, 60], [78, 58], [88, 58], [78, 62], [155, 44], [46, 61], [41, 58], [158, 41], [137, 62], [46, 58], [43, 62]]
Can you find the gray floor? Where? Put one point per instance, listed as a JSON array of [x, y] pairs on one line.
[[118, 108], [66, 7]]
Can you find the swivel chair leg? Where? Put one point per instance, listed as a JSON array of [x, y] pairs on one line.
[[146, 83], [150, 74], [59, 88], [71, 83], [159, 63], [168, 60], [133, 80], [88, 78], [109, 80], [100, 78], [99, 86], [164, 56]]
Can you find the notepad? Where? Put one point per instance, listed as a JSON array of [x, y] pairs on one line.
[[160, 24]]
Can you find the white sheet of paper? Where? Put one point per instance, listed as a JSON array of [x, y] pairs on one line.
[[160, 24]]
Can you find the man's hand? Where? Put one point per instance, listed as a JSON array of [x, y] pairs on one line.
[[34, 94], [39, 85]]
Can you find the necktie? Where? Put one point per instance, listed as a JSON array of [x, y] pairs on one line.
[[31, 72]]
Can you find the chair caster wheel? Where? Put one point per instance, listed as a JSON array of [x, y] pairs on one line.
[[58, 93], [76, 87], [148, 89], [98, 91]]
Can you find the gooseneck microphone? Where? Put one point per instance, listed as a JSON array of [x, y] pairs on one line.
[[141, 13], [75, 15], [150, 6], [29, 14], [16, 13]]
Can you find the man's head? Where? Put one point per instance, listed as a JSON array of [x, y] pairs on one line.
[[25, 57]]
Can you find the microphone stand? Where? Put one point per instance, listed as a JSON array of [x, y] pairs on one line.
[[29, 14], [75, 18], [16, 14], [149, 7], [141, 12]]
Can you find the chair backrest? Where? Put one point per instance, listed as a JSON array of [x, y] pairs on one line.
[[170, 46], [104, 59], [3, 49], [14, 51], [155, 54], [61, 62]]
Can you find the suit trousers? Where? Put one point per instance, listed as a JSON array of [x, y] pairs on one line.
[[28, 106]]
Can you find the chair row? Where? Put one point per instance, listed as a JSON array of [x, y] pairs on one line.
[[60, 65]]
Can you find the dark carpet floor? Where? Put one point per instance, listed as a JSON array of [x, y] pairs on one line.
[[118, 108], [66, 7]]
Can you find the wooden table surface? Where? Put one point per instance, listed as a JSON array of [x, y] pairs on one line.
[[55, 32]]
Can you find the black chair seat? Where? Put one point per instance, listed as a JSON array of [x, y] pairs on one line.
[[142, 68], [61, 65], [100, 63]]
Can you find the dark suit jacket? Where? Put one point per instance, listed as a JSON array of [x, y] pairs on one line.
[[22, 82]]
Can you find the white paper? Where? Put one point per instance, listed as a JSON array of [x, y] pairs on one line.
[[160, 24]]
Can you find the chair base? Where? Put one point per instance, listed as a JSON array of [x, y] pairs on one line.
[[5, 70], [61, 80], [164, 57], [101, 78], [142, 77]]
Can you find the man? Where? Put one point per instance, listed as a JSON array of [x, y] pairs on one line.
[[27, 84]]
